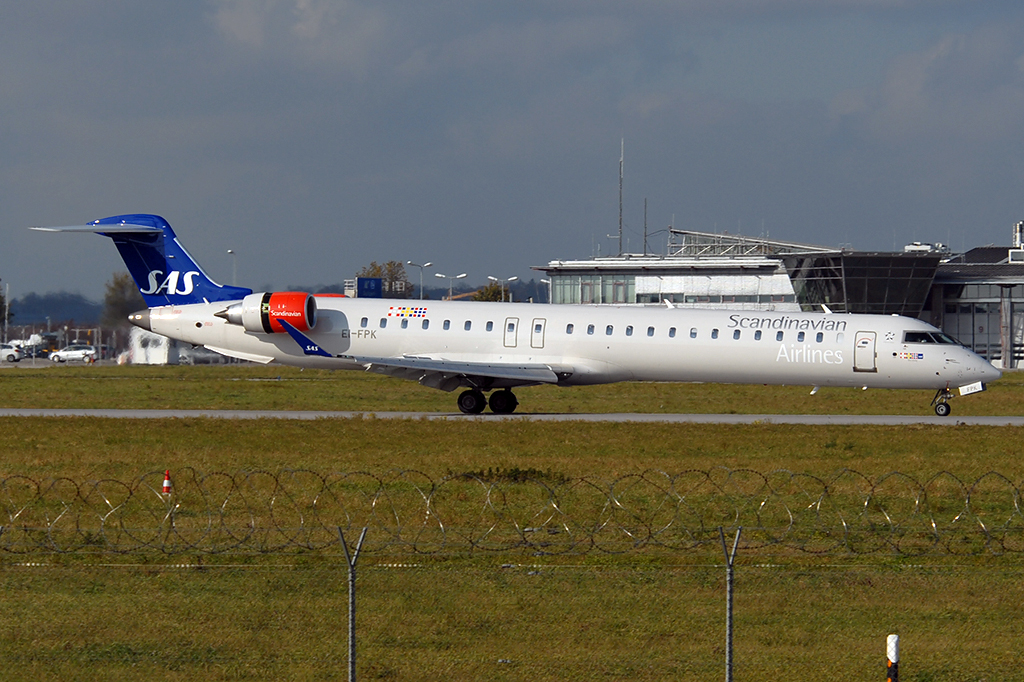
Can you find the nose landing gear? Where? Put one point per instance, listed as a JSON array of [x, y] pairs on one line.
[[941, 402]]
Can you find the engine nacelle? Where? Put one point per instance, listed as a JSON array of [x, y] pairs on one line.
[[260, 312]]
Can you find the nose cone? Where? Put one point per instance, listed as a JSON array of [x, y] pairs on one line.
[[991, 373], [141, 319]]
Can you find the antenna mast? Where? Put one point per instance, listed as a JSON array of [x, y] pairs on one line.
[[622, 157], [645, 226]]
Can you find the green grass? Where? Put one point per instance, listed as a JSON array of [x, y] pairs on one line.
[[490, 623], [285, 388], [642, 615]]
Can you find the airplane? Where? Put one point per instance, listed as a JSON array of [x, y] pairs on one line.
[[496, 347]]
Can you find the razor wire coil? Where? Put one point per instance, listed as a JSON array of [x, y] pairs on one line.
[[409, 512]]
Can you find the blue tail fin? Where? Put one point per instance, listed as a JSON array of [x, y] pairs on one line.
[[163, 270]]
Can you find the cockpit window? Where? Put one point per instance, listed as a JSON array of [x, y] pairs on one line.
[[929, 337], [917, 337]]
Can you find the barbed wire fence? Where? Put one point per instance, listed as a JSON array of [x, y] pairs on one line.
[[407, 513], [410, 512]]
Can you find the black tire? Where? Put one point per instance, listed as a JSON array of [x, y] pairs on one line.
[[11, 358], [472, 402], [503, 402], [943, 409]]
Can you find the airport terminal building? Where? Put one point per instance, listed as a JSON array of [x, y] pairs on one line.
[[976, 297]]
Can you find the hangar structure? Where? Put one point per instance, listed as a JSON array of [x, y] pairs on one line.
[[976, 296]]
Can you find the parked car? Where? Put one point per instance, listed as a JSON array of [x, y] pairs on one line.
[[36, 352], [9, 353], [74, 352]]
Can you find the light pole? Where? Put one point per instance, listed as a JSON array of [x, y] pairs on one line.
[[416, 265], [234, 269], [502, 282], [450, 280], [548, 282], [7, 307]]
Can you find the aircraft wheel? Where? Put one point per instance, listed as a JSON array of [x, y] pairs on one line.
[[943, 409], [472, 401], [503, 402]]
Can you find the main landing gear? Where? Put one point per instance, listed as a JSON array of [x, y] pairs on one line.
[[941, 402], [473, 401]]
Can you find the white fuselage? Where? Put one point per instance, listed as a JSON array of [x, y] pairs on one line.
[[602, 344]]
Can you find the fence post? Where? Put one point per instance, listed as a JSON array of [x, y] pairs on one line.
[[892, 655], [729, 559], [351, 558]]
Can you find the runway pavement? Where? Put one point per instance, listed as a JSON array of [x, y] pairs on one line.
[[812, 419]]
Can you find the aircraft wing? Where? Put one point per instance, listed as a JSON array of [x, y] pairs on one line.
[[440, 373]]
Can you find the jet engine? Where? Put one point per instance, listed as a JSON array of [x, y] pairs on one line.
[[261, 312]]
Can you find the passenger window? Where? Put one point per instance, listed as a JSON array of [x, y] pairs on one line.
[[778, 336], [819, 337], [447, 325], [671, 332], [383, 322], [840, 337], [405, 323], [568, 328], [629, 330], [490, 326], [757, 335], [537, 328], [650, 331], [693, 332], [511, 326], [590, 329], [426, 323], [736, 333], [468, 325], [608, 330], [363, 322], [800, 337], [714, 333]]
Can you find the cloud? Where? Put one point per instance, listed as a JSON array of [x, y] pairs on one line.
[[965, 86], [342, 34]]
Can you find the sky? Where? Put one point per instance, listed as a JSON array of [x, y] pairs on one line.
[[312, 137]]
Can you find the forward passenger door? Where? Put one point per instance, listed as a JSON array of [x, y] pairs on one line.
[[864, 352]]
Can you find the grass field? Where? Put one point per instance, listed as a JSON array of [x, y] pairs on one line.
[[285, 388], [494, 616]]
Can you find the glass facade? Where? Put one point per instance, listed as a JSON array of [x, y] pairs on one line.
[[879, 283], [593, 288], [973, 314]]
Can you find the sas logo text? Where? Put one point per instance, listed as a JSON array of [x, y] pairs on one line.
[[169, 285]]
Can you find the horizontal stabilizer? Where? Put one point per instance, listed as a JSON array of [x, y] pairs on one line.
[[121, 228]]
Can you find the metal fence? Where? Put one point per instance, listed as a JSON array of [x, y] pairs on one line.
[[410, 512]]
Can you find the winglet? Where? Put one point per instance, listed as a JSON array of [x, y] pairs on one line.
[[305, 343]]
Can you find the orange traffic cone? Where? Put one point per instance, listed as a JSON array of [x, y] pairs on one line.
[[167, 482]]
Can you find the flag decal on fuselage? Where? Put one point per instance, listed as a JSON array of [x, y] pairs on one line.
[[407, 311]]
